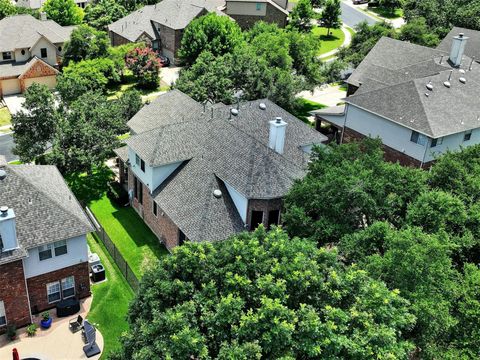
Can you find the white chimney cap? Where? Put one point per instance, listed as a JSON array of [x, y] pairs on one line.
[[278, 119]]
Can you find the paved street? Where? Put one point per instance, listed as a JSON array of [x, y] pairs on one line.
[[6, 145], [352, 16]]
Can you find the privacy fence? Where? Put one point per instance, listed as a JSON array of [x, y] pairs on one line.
[[114, 252]]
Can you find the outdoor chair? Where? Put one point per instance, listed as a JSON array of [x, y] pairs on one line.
[[76, 324]]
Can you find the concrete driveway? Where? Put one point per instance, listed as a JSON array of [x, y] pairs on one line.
[[170, 74], [329, 95], [14, 103]]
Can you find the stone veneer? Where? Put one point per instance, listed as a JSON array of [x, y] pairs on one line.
[[13, 293], [265, 206], [37, 286]]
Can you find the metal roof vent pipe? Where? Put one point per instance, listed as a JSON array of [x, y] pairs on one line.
[[471, 64], [276, 140], [458, 48], [447, 83]]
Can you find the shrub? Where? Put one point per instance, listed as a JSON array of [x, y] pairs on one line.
[[32, 329], [145, 65], [45, 315], [117, 193]]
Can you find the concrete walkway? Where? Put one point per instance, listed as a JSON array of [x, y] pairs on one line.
[[329, 95], [346, 42], [56, 343]]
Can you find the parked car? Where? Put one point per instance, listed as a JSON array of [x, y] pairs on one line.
[[358, 2], [165, 61]]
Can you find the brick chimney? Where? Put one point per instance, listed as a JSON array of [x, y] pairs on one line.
[[276, 140], [458, 48]]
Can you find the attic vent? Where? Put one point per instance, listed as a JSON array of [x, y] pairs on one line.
[[262, 106], [447, 84], [217, 193], [427, 94], [234, 112], [430, 86], [462, 80], [461, 71]]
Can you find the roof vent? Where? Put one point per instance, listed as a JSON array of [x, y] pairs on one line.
[[3, 211], [462, 80], [461, 71], [471, 64], [217, 193], [427, 94], [262, 106], [430, 86], [3, 174], [234, 112], [278, 120], [447, 84]]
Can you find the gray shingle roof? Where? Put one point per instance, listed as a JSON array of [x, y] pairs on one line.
[[23, 31], [45, 208], [15, 69], [217, 147], [472, 48]]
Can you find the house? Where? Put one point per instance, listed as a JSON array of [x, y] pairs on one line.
[[43, 248], [161, 25], [420, 101], [204, 173], [37, 4], [30, 50], [247, 12]]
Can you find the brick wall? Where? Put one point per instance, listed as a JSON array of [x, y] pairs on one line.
[[116, 39], [262, 205], [273, 15], [13, 293], [37, 286]]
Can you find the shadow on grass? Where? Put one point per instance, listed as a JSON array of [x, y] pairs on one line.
[[90, 187], [303, 108], [330, 37], [386, 13]]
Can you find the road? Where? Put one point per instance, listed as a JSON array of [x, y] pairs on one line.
[[6, 145], [352, 16]]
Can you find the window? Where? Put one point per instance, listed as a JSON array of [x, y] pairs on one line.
[[60, 247], [259, 6], [140, 192], [135, 188], [142, 165], [3, 316], [418, 138], [7, 55], [467, 136], [43, 52], [53, 291], [68, 287], [59, 48], [45, 252], [273, 217], [155, 210], [256, 219], [22, 52], [436, 142], [181, 237], [137, 160]]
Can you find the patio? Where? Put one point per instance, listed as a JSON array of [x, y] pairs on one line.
[[56, 343]]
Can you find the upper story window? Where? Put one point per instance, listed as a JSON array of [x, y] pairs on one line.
[[142, 165], [259, 6], [418, 138], [45, 252], [155, 209], [3, 315], [58, 248], [7, 55], [436, 142], [43, 52], [137, 160], [467, 135], [1, 243]]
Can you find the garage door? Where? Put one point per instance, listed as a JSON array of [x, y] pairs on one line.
[[10, 86], [50, 81]]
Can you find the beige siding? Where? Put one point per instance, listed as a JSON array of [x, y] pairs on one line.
[[51, 51], [246, 8], [19, 57], [50, 81], [10, 86]]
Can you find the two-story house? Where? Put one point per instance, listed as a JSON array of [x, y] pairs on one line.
[[37, 4], [30, 50], [204, 173], [161, 26], [420, 101], [43, 247], [247, 12]]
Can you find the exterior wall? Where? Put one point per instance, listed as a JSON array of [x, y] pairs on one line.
[[246, 8], [13, 293], [452, 142], [170, 40], [116, 39], [77, 253], [272, 15], [50, 81], [19, 57], [262, 205], [240, 201], [10, 86], [37, 286], [51, 51]]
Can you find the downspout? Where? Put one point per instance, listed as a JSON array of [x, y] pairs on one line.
[[28, 293], [427, 145], [344, 122]]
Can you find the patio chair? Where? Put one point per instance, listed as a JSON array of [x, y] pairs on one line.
[[76, 324]]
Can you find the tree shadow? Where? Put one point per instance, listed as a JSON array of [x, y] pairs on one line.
[[330, 37], [90, 187]]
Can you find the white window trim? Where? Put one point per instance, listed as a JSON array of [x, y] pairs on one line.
[[3, 313], [46, 247], [56, 245], [59, 291], [73, 287]]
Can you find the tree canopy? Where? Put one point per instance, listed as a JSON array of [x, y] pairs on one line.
[[102, 13], [64, 12], [86, 43], [302, 15], [330, 16]]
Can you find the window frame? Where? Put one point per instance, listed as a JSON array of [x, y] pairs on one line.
[[42, 50], [137, 160], [418, 138], [155, 209], [8, 57], [4, 312], [436, 142], [47, 247], [142, 165], [258, 6], [467, 135], [72, 287], [54, 283], [57, 246]]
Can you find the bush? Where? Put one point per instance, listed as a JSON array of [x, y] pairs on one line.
[[32, 329], [145, 65], [117, 193], [45, 315], [11, 332]]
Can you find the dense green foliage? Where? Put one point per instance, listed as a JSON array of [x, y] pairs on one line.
[[63, 12], [391, 5], [301, 16], [330, 16], [86, 43], [418, 32], [102, 13], [6, 8], [263, 296], [145, 66]]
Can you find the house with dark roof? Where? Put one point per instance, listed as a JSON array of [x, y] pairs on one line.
[[247, 12], [43, 247], [30, 50], [204, 173], [419, 101], [161, 25]]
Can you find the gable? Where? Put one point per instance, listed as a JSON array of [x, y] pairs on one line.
[[39, 68]]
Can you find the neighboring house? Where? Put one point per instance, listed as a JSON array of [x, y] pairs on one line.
[[161, 25], [204, 173], [420, 101], [37, 4], [248, 12], [43, 247], [30, 50]]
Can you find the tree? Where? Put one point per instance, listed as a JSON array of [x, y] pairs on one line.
[[103, 12], [216, 34], [145, 65], [34, 125], [237, 299], [118, 54], [64, 12], [301, 16], [6, 9], [359, 188], [418, 32], [86, 43], [330, 17], [129, 103], [391, 5]]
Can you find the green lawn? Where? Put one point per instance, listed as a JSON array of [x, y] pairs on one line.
[[5, 117], [386, 13], [115, 91], [110, 300], [328, 42], [304, 108]]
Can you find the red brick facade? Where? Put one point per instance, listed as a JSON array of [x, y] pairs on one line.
[[13, 293], [273, 15], [37, 286]]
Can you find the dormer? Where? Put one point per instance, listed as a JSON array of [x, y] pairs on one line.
[[8, 233]]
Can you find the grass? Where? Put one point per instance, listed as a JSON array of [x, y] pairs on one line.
[[5, 116], [129, 82], [350, 30], [328, 42], [15, 162], [304, 108], [386, 13], [110, 300]]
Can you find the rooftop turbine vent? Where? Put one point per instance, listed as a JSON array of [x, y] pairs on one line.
[[430, 86], [3, 211], [262, 106], [234, 112], [462, 80]]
